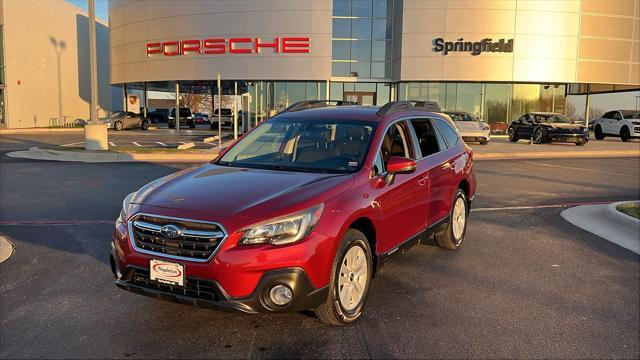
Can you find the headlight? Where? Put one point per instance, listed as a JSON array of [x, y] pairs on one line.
[[126, 205], [486, 127], [284, 230], [635, 123]]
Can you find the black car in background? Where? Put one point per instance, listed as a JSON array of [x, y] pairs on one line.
[[542, 127], [186, 118]]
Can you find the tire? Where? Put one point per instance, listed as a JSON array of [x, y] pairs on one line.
[[145, 125], [597, 132], [117, 126], [625, 135], [538, 136], [452, 236], [483, 142], [333, 311], [580, 143], [512, 134]]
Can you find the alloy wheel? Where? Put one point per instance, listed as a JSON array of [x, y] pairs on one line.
[[459, 219], [354, 274], [511, 133], [538, 137]]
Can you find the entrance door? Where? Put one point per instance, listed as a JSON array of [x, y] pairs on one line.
[[361, 97]]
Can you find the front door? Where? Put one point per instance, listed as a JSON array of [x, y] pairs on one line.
[[361, 97]]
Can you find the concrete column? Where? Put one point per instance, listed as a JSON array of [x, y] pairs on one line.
[[178, 106], [235, 110], [587, 102], [146, 102], [219, 113], [95, 133]]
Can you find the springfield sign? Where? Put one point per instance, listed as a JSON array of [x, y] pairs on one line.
[[474, 48]]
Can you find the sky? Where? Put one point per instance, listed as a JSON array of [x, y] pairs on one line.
[[102, 7]]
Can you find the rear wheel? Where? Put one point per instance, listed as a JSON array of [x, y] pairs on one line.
[[350, 280], [538, 136], [598, 132], [625, 135], [453, 235], [512, 134], [145, 125]]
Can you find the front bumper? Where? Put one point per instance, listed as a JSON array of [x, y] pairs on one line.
[[209, 294], [568, 137], [476, 136], [237, 277]]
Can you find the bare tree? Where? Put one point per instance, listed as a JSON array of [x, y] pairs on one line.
[[595, 113], [196, 102]]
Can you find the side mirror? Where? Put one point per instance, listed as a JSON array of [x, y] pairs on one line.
[[398, 165]]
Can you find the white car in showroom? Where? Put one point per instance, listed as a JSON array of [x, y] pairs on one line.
[[619, 123], [470, 127]]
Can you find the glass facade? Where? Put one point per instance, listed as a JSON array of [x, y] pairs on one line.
[[496, 103], [361, 40]]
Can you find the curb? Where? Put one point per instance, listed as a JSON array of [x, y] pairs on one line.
[[40, 130], [35, 153], [607, 222]]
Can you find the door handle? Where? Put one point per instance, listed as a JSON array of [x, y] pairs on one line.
[[423, 180]]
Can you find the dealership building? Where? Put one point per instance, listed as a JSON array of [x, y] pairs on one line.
[[497, 59]]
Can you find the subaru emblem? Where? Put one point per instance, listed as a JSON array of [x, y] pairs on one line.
[[171, 231]]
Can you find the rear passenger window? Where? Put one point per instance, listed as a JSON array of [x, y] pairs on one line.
[[395, 143], [427, 137], [450, 135]]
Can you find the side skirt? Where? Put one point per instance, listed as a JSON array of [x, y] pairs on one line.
[[423, 237]]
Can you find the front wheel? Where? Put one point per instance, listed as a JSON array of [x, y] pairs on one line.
[[350, 281], [538, 136], [453, 235], [512, 134], [625, 135], [117, 126], [145, 125], [598, 132]]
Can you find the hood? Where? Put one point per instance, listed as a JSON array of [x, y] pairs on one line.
[[469, 125], [219, 192], [563, 126]]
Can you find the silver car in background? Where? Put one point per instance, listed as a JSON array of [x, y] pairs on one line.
[[470, 127], [126, 120]]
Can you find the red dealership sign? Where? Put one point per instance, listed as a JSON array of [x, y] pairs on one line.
[[236, 45]]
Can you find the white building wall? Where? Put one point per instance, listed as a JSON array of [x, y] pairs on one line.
[[47, 63]]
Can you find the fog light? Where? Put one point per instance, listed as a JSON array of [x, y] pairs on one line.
[[280, 295]]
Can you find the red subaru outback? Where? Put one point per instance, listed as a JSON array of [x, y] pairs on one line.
[[299, 213]]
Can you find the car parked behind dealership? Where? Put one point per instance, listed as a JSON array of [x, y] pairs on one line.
[[226, 118], [470, 127], [542, 127], [186, 118], [300, 212], [121, 120], [619, 123]]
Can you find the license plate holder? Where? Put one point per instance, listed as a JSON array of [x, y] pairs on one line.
[[166, 272]]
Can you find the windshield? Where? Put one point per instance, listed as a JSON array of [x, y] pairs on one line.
[[555, 118], [461, 117], [117, 114], [309, 146]]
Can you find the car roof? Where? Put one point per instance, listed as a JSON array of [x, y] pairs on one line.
[[352, 112], [544, 113]]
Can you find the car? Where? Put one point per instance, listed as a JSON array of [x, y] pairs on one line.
[[158, 115], [470, 127], [622, 123], [226, 118], [121, 120], [201, 118], [542, 127], [186, 118], [299, 213]]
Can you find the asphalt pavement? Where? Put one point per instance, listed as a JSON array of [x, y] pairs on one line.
[[526, 283]]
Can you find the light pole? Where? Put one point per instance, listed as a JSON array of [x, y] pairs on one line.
[[95, 133]]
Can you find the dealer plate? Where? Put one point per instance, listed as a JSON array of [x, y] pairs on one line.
[[166, 272]]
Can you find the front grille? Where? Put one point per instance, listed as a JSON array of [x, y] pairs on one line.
[[196, 240], [196, 288]]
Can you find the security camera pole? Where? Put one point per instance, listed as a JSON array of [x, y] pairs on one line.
[[95, 133]]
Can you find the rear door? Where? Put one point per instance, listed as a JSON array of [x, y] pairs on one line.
[[429, 166], [445, 175]]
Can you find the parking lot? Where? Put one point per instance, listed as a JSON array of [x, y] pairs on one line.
[[526, 284]]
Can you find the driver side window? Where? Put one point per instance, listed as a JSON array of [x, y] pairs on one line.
[[395, 143]]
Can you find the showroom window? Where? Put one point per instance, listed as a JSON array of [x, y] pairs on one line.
[[361, 40]]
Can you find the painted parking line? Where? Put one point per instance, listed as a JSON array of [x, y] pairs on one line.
[[136, 144], [112, 144], [161, 144], [574, 168], [53, 222], [74, 144]]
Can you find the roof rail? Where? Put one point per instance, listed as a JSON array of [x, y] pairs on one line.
[[394, 106], [312, 104]]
